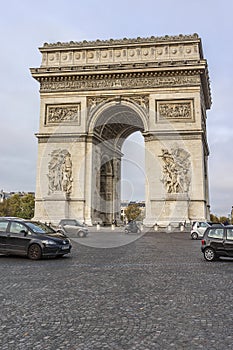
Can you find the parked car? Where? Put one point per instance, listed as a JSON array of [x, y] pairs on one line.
[[31, 238], [73, 228], [198, 229], [217, 241]]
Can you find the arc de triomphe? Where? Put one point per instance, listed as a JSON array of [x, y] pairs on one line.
[[93, 96]]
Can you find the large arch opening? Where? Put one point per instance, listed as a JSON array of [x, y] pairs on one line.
[[110, 127], [133, 172]]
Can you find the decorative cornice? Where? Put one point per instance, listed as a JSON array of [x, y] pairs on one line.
[[124, 41], [173, 135], [56, 138]]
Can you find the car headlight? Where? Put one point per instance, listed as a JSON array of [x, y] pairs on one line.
[[67, 241], [48, 242]]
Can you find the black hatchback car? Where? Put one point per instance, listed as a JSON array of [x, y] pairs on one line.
[[217, 242], [32, 239]]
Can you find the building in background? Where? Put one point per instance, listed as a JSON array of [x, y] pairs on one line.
[[5, 195], [126, 203]]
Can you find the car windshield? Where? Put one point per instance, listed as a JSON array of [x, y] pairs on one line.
[[39, 227]]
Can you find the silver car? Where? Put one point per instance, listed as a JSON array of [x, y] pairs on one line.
[[198, 229], [73, 228]]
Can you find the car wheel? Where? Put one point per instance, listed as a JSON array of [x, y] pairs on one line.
[[194, 235], [34, 252], [209, 254], [81, 234]]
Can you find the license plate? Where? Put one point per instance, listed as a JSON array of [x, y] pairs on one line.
[[65, 247]]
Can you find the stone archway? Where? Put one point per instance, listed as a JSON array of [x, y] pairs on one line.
[[93, 96], [111, 122]]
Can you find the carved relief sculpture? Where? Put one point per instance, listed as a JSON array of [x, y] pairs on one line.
[[182, 110], [63, 114], [93, 96], [60, 172], [176, 170], [141, 100]]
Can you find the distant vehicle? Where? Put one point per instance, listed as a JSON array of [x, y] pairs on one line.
[[217, 242], [133, 227], [31, 238], [198, 229], [73, 228]]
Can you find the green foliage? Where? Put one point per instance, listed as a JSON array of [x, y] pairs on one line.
[[19, 206], [216, 219], [223, 219], [133, 212]]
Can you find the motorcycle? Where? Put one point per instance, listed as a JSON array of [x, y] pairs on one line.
[[132, 227]]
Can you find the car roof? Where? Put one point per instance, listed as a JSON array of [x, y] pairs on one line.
[[11, 218], [220, 225]]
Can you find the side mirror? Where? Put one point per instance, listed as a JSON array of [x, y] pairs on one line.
[[198, 225]]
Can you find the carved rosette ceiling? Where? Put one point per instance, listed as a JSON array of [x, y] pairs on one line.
[[66, 113], [176, 175], [60, 172]]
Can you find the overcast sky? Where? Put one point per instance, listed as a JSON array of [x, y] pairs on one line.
[[25, 25]]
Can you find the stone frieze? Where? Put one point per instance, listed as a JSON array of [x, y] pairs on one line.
[[181, 110], [68, 84], [66, 113]]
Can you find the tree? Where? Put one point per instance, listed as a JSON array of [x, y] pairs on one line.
[[19, 206], [214, 218], [223, 219], [132, 212], [27, 206]]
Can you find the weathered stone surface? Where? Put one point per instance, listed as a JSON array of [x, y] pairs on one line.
[[94, 95]]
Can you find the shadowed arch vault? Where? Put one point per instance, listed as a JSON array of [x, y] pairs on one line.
[[110, 125]]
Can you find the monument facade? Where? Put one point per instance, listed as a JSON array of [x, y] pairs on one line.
[[93, 95]]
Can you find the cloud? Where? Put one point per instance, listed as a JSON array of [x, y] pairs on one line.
[[26, 27]]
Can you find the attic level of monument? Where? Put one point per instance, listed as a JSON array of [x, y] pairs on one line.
[[94, 94], [127, 63]]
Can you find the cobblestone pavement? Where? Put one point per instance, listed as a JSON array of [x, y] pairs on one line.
[[154, 293]]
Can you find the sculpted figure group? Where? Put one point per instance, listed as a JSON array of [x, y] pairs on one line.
[[176, 170], [60, 172]]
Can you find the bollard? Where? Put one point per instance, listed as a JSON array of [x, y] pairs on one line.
[[155, 227], [113, 227], [98, 227], [169, 228], [181, 227]]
